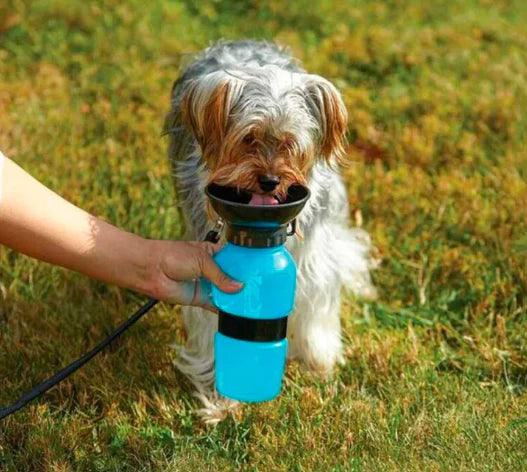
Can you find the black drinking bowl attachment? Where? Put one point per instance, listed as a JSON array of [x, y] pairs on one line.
[[233, 206]]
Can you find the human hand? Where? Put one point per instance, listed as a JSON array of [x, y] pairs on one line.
[[175, 267], [72, 238]]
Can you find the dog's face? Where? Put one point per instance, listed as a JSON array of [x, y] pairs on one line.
[[262, 131]]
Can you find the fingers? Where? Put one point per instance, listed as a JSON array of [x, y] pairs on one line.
[[186, 272], [213, 273], [216, 246], [211, 248], [192, 292], [202, 295]]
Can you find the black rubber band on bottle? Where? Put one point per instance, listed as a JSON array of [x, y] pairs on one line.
[[251, 329]]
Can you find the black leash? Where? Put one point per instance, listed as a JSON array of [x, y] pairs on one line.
[[77, 364], [212, 236]]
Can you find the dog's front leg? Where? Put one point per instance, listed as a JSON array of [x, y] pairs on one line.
[[314, 327], [196, 361]]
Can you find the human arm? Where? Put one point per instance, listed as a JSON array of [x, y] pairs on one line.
[[39, 223]]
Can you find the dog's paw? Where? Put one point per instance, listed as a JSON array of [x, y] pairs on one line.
[[321, 371], [215, 407], [321, 351]]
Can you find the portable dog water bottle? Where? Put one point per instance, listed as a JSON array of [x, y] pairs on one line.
[[250, 346]]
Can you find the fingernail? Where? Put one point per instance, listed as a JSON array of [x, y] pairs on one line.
[[235, 285]]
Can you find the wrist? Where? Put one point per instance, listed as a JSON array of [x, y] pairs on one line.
[[146, 278], [125, 259]]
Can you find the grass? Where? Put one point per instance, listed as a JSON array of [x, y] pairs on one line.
[[436, 369]]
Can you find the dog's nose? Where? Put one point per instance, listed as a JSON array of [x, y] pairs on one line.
[[268, 182]]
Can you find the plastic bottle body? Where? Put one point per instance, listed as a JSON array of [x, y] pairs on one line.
[[247, 369], [269, 278]]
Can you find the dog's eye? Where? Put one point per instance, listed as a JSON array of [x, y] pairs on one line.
[[248, 139]]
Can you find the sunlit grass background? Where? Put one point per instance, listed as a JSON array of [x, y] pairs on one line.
[[436, 369]]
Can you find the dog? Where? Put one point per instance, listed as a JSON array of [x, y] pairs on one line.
[[245, 114]]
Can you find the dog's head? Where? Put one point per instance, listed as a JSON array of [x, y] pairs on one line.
[[261, 131]]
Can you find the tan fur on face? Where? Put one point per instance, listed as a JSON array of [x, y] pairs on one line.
[[246, 157], [333, 118], [209, 121], [236, 153]]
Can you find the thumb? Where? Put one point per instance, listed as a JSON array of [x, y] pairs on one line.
[[213, 273]]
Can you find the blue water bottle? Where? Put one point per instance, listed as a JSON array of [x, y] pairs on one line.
[[250, 346]]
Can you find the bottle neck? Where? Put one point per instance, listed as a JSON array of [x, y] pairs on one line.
[[256, 237]]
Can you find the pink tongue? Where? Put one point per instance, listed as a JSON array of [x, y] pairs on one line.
[[258, 199]]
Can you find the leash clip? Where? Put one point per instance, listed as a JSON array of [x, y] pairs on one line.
[[292, 231], [213, 236]]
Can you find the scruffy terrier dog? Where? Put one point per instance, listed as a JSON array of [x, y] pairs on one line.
[[246, 115]]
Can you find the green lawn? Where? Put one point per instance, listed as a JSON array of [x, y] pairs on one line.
[[436, 369]]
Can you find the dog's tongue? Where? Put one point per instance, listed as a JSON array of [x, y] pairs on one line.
[[258, 199]]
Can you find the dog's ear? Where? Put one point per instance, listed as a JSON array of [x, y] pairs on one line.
[[206, 106], [327, 107]]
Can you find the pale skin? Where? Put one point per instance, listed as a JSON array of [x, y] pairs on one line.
[[39, 223]]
